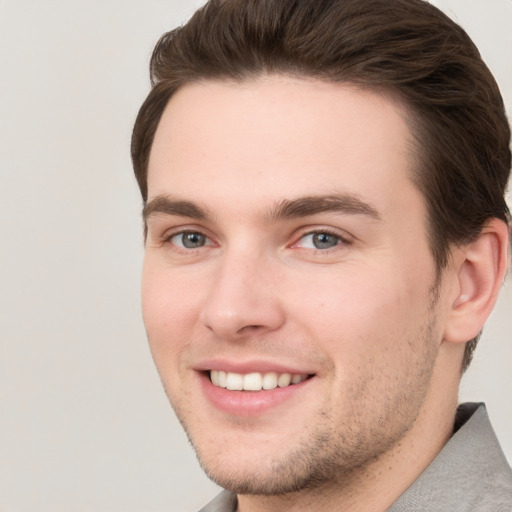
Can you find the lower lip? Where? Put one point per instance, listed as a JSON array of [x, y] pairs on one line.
[[249, 403]]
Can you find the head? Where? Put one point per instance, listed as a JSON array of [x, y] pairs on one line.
[[453, 105], [314, 175]]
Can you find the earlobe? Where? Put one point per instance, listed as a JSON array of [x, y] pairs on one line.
[[481, 270]]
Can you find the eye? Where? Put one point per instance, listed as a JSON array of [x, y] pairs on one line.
[[319, 240], [190, 240]]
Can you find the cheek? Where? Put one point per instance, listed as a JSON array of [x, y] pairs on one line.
[[374, 329], [353, 311], [168, 310]]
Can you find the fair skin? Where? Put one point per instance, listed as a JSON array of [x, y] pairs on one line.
[[285, 239]]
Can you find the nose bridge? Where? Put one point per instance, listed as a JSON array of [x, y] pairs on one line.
[[243, 298]]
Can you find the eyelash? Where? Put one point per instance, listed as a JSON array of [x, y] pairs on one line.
[[340, 240], [168, 240]]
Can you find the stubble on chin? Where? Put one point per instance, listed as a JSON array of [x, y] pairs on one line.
[[333, 449], [323, 456]]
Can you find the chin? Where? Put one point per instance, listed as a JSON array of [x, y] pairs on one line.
[[269, 479], [313, 462]]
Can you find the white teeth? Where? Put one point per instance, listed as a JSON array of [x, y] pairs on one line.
[[284, 380], [218, 378], [296, 379], [234, 381], [270, 380], [254, 381]]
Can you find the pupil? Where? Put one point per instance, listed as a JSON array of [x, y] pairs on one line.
[[324, 240], [193, 240]]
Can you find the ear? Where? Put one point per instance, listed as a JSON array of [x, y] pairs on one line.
[[481, 266]]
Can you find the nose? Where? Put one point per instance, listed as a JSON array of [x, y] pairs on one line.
[[243, 300]]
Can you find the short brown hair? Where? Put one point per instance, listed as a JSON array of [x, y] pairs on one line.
[[407, 48]]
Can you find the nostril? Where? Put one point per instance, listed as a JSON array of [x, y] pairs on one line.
[[250, 328], [230, 316]]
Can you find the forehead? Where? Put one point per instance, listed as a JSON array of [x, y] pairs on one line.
[[280, 137]]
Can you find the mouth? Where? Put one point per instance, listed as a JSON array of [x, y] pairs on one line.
[[255, 381], [253, 388]]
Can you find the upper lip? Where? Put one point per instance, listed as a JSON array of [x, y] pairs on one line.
[[251, 366]]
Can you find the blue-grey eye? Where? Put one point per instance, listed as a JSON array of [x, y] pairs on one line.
[[319, 240], [325, 240], [189, 240]]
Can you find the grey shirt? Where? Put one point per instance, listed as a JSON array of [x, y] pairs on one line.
[[470, 474]]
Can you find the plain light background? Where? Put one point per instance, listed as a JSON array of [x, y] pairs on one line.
[[84, 423]]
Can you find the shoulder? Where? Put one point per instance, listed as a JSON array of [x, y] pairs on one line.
[[223, 502], [470, 474]]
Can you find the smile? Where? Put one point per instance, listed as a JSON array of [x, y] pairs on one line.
[[254, 381]]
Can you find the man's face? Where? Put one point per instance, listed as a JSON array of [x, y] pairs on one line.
[[287, 246]]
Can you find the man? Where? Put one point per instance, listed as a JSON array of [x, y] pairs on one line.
[[326, 235]]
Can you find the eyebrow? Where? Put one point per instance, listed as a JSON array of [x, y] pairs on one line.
[[348, 204], [168, 206]]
